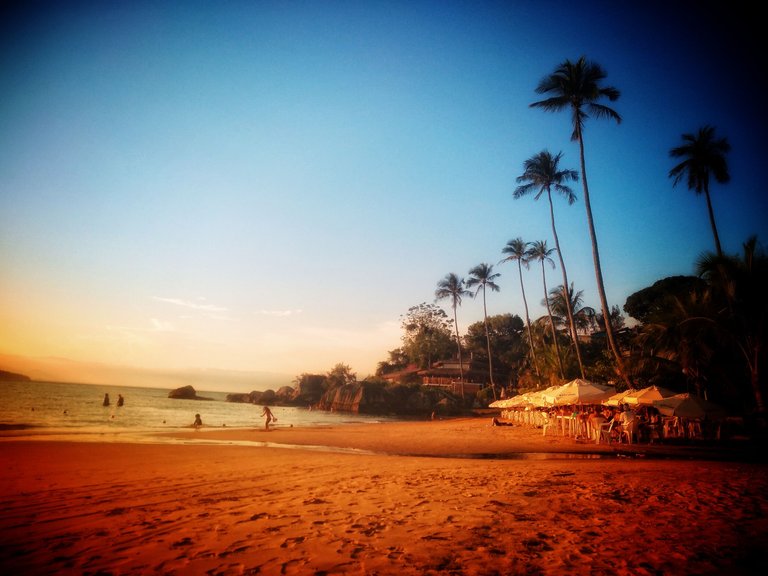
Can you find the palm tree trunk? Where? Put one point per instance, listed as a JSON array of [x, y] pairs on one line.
[[598, 269], [458, 345], [566, 296], [712, 221], [488, 341], [528, 323], [552, 322]]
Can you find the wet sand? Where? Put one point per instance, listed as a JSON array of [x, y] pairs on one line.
[[444, 497]]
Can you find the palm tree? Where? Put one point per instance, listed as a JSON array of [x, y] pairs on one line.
[[517, 250], [542, 173], [452, 287], [582, 315], [703, 156], [577, 86], [742, 284], [539, 251], [483, 277]]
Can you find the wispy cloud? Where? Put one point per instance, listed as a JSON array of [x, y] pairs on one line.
[[162, 326], [198, 304], [279, 313]]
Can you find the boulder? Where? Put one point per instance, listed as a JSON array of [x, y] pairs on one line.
[[186, 393]]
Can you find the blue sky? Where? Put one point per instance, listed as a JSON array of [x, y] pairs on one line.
[[269, 186]]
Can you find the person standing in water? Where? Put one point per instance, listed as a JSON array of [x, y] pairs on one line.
[[120, 400], [106, 400], [198, 421], [270, 417]]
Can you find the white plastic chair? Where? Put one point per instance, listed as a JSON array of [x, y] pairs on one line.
[[628, 431], [545, 423], [606, 430]]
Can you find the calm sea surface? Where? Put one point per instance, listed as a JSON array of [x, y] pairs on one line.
[[76, 410]]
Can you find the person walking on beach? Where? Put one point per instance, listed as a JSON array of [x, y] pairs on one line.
[[106, 400], [270, 417]]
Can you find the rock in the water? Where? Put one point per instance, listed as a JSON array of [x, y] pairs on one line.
[[186, 393]]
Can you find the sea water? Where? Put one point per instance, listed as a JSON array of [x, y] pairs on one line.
[[72, 409]]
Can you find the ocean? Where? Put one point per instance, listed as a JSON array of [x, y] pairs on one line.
[[75, 411]]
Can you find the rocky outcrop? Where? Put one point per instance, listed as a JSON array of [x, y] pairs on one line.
[[358, 398], [186, 393], [373, 398], [283, 397], [244, 397]]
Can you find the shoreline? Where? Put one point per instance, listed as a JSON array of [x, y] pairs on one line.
[[458, 437]]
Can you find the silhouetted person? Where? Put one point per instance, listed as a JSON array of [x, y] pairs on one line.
[[270, 417], [198, 421], [106, 400], [120, 400]]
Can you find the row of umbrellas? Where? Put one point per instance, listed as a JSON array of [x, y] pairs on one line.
[[581, 391]]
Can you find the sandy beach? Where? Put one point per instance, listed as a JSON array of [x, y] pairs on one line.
[[445, 497]]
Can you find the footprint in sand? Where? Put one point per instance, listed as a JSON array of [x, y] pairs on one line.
[[292, 541]]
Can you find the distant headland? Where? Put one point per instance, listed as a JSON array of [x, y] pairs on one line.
[[6, 376]]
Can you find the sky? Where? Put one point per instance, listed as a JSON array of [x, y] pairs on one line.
[[212, 188]]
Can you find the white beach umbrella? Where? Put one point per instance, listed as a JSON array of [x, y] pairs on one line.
[[540, 398], [518, 400], [687, 406], [647, 395], [579, 392], [618, 398]]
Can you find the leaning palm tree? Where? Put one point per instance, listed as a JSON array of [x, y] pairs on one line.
[[452, 287], [542, 174], [576, 86], [517, 251], [539, 251], [483, 277], [703, 156]]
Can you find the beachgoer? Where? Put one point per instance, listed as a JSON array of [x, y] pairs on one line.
[[270, 417], [198, 421], [120, 400], [106, 400], [628, 423]]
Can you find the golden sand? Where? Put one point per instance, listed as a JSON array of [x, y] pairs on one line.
[[457, 502]]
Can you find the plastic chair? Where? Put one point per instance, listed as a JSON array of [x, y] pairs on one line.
[[594, 428], [545, 423], [628, 431], [606, 430]]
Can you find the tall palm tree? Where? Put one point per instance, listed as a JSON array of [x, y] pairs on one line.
[[483, 277], [452, 287], [517, 251], [577, 86], [703, 156], [539, 251], [541, 174]]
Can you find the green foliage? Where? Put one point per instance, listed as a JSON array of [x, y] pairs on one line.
[[507, 342], [340, 375], [398, 360], [654, 300], [713, 335], [310, 388], [427, 335]]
